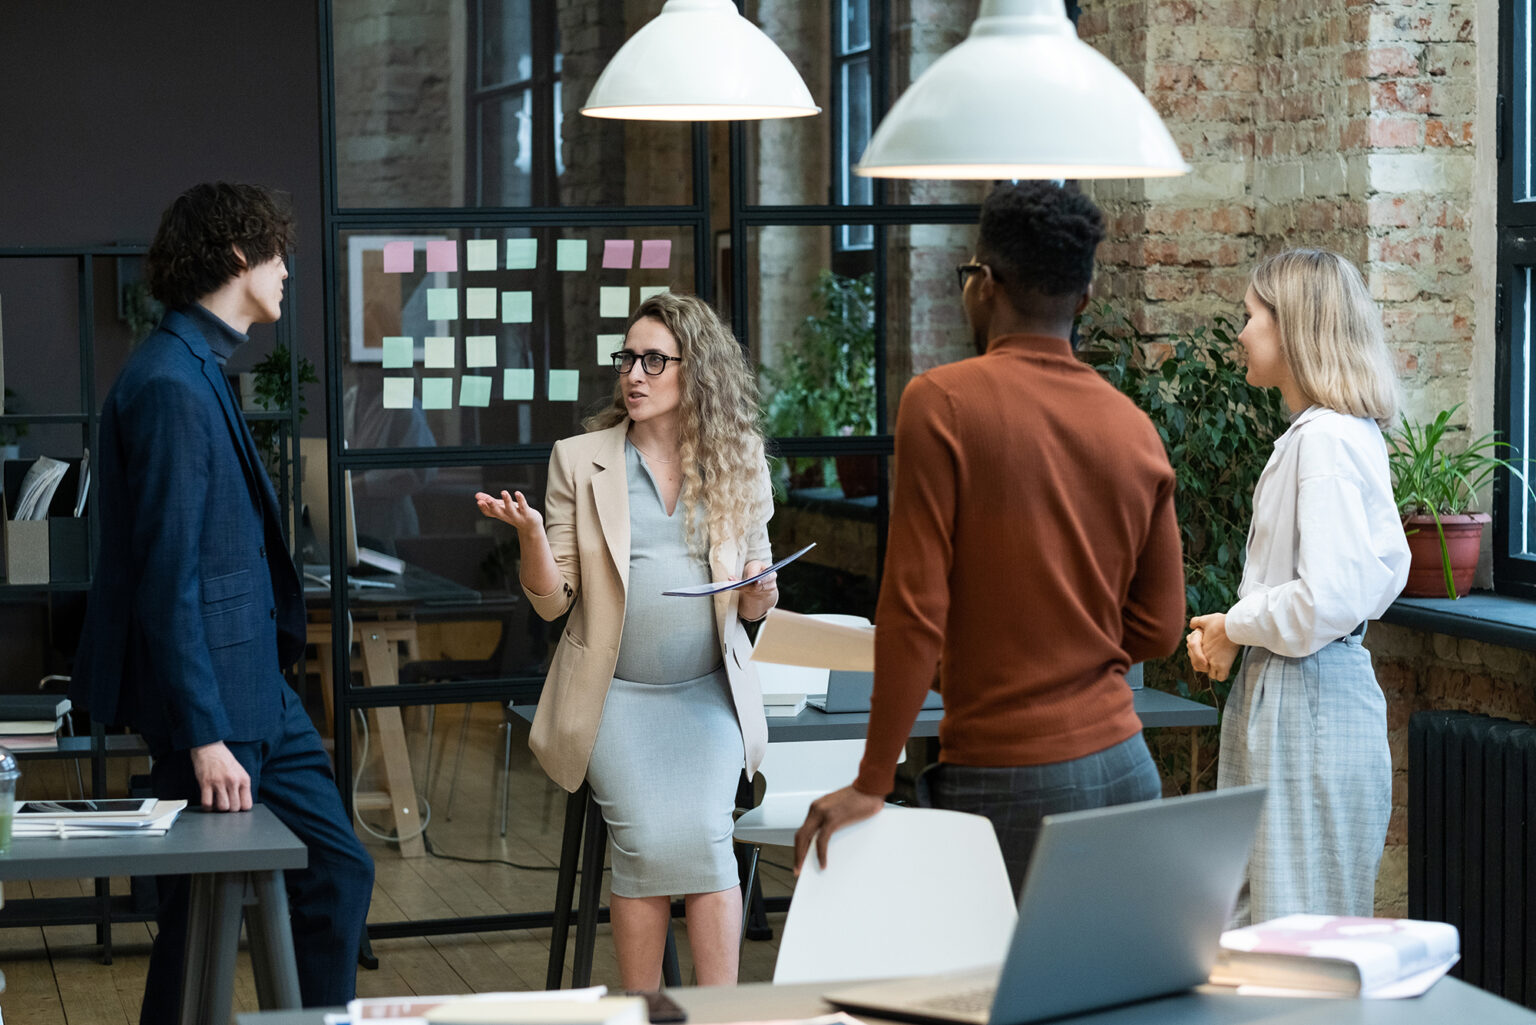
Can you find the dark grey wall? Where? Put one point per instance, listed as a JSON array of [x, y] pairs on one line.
[[108, 110]]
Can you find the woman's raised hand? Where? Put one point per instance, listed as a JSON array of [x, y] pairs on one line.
[[511, 508]]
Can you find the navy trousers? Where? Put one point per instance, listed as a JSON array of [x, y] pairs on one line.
[[327, 901]]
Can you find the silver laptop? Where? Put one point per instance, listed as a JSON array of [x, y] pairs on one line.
[[1119, 904], [849, 691]]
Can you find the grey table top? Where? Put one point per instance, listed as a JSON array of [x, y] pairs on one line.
[[198, 843], [1449, 1001]]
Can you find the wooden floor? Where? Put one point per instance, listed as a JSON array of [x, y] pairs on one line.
[[53, 975]]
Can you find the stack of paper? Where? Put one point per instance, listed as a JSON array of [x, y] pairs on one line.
[[37, 488], [564, 1007], [1337, 955], [155, 820]]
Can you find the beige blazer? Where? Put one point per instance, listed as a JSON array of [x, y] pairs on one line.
[[586, 516]]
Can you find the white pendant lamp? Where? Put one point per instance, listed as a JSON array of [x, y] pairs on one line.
[[699, 60], [1022, 97]]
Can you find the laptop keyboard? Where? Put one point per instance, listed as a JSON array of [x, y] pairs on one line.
[[966, 1001]]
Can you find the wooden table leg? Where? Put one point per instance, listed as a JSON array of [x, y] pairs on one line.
[[380, 669]]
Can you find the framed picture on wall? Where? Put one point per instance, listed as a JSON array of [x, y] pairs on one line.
[[390, 303]]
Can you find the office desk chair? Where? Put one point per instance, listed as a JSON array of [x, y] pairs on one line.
[[892, 883]]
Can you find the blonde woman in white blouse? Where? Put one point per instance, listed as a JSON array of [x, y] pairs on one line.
[[1326, 552]]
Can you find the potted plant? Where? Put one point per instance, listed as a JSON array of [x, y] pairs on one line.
[[1435, 489], [826, 383]]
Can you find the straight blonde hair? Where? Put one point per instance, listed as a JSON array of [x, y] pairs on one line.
[[720, 441], [1330, 332]]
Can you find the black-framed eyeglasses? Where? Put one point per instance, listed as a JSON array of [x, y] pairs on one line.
[[653, 363], [965, 270]]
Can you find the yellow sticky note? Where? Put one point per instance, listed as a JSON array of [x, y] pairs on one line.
[[480, 303], [439, 354], [571, 254], [613, 301], [480, 351], [607, 345], [517, 307], [517, 384], [523, 254], [399, 352], [563, 385], [480, 254], [437, 393], [399, 392], [474, 390], [442, 304]]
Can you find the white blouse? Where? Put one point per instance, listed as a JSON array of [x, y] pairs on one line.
[[1326, 550]]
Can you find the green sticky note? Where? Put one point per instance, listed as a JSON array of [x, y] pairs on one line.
[[439, 354], [613, 301], [480, 254], [437, 393], [399, 392], [480, 351], [480, 303], [474, 390], [399, 353], [523, 254], [646, 291], [442, 304], [517, 307], [517, 384], [607, 345], [571, 254], [562, 385]]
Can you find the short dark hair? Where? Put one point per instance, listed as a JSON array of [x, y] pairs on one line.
[[193, 251], [1039, 239]]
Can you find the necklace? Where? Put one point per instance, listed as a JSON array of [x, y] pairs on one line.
[[648, 455]]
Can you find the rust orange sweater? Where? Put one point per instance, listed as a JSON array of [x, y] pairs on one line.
[[1033, 556]]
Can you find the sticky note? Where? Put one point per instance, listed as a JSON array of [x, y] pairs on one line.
[[442, 256], [571, 254], [399, 257], [607, 345], [656, 253], [619, 253], [437, 393], [398, 353], [439, 354], [523, 254], [442, 304], [480, 303], [517, 384], [646, 291], [474, 390], [480, 254], [480, 351], [562, 385], [614, 301], [399, 392], [517, 307]]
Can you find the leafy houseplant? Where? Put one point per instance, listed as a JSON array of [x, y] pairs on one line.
[[826, 384], [273, 379], [1435, 487], [1218, 430]]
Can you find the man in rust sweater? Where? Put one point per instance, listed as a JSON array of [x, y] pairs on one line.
[[1033, 553]]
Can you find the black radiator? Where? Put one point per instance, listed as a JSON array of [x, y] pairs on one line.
[[1471, 845]]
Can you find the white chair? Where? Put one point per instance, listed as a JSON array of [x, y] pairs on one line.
[[911, 891]]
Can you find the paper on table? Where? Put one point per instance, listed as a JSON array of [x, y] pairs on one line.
[[793, 639], [703, 590], [412, 1007]]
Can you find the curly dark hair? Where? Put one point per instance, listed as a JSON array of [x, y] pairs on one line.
[[193, 253], [1039, 239]]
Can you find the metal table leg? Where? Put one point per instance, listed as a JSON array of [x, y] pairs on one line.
[[272, 956], [594, 853], [565, 885], [213, 940]]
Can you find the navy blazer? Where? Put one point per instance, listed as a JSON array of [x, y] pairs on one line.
[[195, 607]]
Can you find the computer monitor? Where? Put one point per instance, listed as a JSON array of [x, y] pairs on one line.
[[314, 466]]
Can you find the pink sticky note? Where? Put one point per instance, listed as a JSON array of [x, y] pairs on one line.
[[442, 256], [619, 252], [656, 253], [399, 257]]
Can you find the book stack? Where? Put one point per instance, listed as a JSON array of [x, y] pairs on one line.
[[95, 818], [31, 722], [1335, 955], [783, 704]]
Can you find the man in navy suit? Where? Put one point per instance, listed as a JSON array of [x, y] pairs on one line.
[[196, 607]]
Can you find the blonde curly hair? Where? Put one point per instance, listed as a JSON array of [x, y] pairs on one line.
[[720, 434]]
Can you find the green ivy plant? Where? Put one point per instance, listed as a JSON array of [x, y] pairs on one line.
[[1218, 430], [273, 377]]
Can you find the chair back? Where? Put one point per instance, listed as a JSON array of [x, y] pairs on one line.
[[911, 891]]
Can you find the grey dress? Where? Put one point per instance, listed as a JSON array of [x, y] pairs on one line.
[[669, 749]]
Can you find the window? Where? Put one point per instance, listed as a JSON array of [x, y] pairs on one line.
[[852, 115], [513, 104]]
